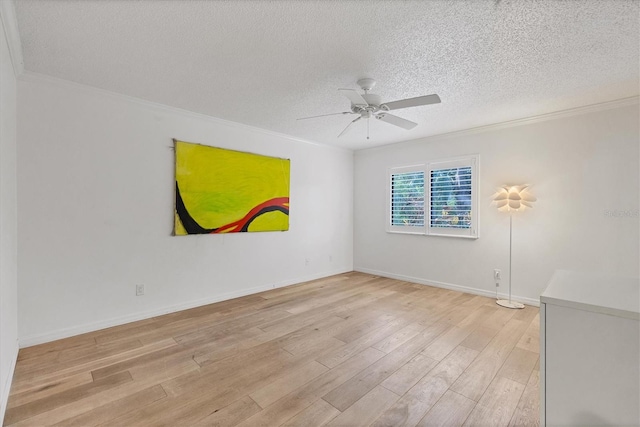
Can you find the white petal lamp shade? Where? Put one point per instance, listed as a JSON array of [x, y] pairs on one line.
[[513, 198]]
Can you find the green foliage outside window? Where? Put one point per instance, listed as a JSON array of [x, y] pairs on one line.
[[407, 199], [451, 198]]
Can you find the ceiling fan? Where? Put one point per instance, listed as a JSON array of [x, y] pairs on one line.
[[369, 105]]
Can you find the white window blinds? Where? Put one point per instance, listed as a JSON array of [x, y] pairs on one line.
[[438, 198]]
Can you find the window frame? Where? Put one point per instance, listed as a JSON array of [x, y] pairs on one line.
[[472, 161]]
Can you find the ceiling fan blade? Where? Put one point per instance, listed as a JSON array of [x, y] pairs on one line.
[[325, 115], [350, 123], [354, 96], [397, 121], [411, 102]]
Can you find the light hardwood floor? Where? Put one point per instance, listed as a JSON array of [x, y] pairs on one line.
[[347, 350]]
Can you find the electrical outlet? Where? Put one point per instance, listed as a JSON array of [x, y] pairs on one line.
[[497, 275], [139, 290]]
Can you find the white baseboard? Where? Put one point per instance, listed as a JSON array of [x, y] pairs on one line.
[[466, 289], [35, 339], [6, 387]]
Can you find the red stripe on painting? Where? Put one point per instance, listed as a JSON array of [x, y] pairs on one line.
[[236, 226]]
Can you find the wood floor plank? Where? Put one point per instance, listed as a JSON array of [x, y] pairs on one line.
[[527, 314], [367, 409], [477, 316], [87, 403], [497, 405], [360, 330], [445, 343], [55, 356], [164, 369], [531, 339], [286, 408], [190, 405], [310, 304], [297, 321], [519, 365], [465, 304], [451, 411], [273, 339], [347, 349], [528, 410], [49, 388], [343, 353], [24, 382], [499, 318], [213, 315], [406, 412], [475, 380], [409, 374], [310, 285], [207, 311], [317, 415], [431, 387], [395, 340], [479, 338], [125, 331], [248, 340], [125, 365], [53, 347], [251, 362], [45, 404], [78, 356], [413, 405], [348, 393], [103, 414], [313, 345], [229, 327], [288, 382], [194, 399], [263, 344], [232, 414]]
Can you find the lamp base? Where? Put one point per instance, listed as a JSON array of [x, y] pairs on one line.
[[509, 304]]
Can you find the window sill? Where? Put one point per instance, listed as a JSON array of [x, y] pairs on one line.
[[421, 233]]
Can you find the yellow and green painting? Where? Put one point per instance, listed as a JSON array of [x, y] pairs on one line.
[[226, 191]]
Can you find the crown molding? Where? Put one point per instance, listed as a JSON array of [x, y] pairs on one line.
[[618, 103], [592, 108], [10, 24], [29, 76]]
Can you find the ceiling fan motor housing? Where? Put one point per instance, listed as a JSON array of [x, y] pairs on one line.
[[366, 84], [373, 106]]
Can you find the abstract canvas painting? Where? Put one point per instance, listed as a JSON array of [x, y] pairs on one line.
[[226, 191]]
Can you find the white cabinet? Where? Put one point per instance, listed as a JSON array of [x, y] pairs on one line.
[[590, 351]]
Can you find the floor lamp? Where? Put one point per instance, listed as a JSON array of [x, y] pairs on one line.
[[512, 198]]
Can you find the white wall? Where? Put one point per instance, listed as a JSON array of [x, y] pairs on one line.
[[580, 166], [96, 185], [8, 223]]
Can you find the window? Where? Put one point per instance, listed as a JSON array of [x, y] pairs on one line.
[[452, 195], [406, 212], [449, 188]]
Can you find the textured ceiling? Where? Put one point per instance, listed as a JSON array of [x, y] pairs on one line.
[[266, 63]]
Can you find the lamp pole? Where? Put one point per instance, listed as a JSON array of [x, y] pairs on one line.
[[503, 302], [510, 250]]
